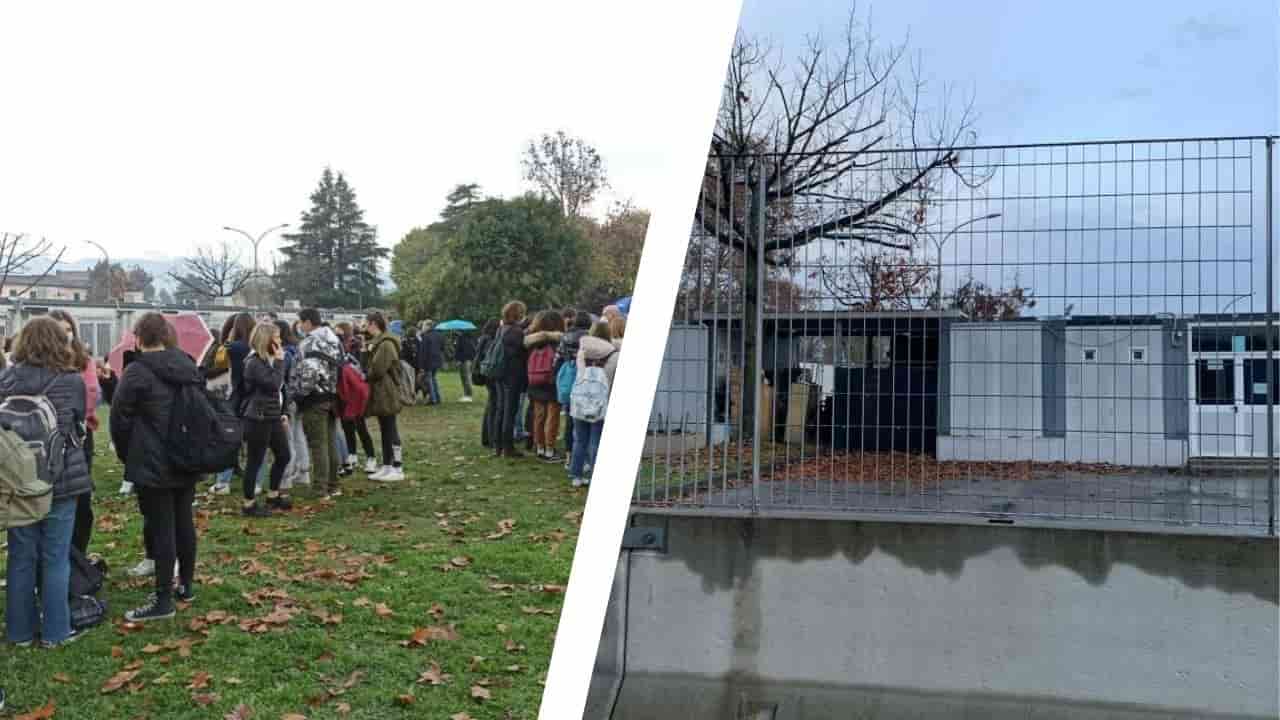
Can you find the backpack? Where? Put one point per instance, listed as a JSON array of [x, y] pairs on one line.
[[353, 391], [87, 575], [590, 397], [86, 611], [495, 357], [31, 458], [405, 382], [477, 375], [541, 366], [564, 382], [204, 436], [222, 358]]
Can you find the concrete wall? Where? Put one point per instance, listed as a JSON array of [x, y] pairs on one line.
[[808, 620]]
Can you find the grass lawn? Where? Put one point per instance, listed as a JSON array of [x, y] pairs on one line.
[[435, 598]]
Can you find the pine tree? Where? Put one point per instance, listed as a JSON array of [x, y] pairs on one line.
[[334, 257]]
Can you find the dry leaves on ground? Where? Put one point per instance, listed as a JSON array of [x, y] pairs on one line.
[[433, 675], [45, 712], [431, 633]]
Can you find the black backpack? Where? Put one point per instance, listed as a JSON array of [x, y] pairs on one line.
[[204, 437]]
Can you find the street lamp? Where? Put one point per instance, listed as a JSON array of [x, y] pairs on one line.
[[256, 241], [943, 242], [106, 258]]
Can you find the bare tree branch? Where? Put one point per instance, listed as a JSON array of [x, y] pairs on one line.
[[21, 254], [213, 273]]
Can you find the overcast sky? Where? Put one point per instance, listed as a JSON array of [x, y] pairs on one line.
[[148, 126], [1080, 70]]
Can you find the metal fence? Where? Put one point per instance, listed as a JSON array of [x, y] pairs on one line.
[[1069, 331]]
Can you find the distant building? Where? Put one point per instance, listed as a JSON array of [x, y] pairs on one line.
[[73, 285]]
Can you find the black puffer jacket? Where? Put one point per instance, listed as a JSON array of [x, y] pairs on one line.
[[514, 373], [262, 389], [431, 351], [140, 417], [67, 395]]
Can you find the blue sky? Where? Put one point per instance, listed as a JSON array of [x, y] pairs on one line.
[[1089, 70], [1081, 70]]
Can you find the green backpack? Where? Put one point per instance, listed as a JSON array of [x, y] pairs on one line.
[[25, 498]]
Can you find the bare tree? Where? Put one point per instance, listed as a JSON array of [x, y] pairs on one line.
[[23, 255], [566, 169], [213, 273], [835, 150]]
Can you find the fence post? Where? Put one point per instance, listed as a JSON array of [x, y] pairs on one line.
[[757, 444], [1271, 326]]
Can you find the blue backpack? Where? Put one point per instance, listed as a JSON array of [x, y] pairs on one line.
[[565, 379]]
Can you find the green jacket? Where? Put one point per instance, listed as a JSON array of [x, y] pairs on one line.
[[384, 375]]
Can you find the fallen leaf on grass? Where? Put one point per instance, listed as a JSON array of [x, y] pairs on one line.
[[343, 708], [514, 647], [514, 668], [553, 589], [293, 716], [150, 649], [480, 693], [242, 712], [200, 680], [436, 611], [433, 633], [40, 713], [502, 587], [460, 716], [63, 678], [205, 699], [433, 676], [117, 651], [476, 662], [119, 680], [405, 700], [381, 610], [460, 562], [530, 610], [362, 602], [135, 665]]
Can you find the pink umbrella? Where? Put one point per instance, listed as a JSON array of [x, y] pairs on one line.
[[194, 339]]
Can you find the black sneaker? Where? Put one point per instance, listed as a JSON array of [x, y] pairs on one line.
[[281, 502], [156, 608], [185, 593], [74, 636], [552, 458], [255, 510]]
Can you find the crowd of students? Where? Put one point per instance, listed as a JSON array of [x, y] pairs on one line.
[[285, 382], [531, 389]]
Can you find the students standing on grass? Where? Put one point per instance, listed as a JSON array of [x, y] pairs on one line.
[[353, 348], [540, 345], [89, 375], [313, 386], [45, 363], [139, 430], [464, 353], [431, 360], [237, 345], [598, 350], [266, 425], [510, 380], [487, 334], [384, 396]]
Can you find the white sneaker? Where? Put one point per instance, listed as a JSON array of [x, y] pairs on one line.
[[465, 398], [126, 488], [389, 474], [577, 482], [380, 473], [146, 568], [220, 489], [371, 466]]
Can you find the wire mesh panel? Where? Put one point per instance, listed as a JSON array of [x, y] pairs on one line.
[[1075, 330]]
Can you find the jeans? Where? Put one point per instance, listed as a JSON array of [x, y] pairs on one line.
[[339, 442], [48, 545], [487, 433], [431, 385], [586, 442], [519, 430], [546, 423], [390, 440], [300, 465], [352, 429], [320, 428], [260, 435], [172, 530], [464, 368], [502, 432]]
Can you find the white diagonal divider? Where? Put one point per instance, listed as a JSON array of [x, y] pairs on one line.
[[693, 55]]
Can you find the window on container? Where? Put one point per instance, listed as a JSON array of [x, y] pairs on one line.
[[1090, 355], [1138, 354], [1255, 381], [1215, 382]]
